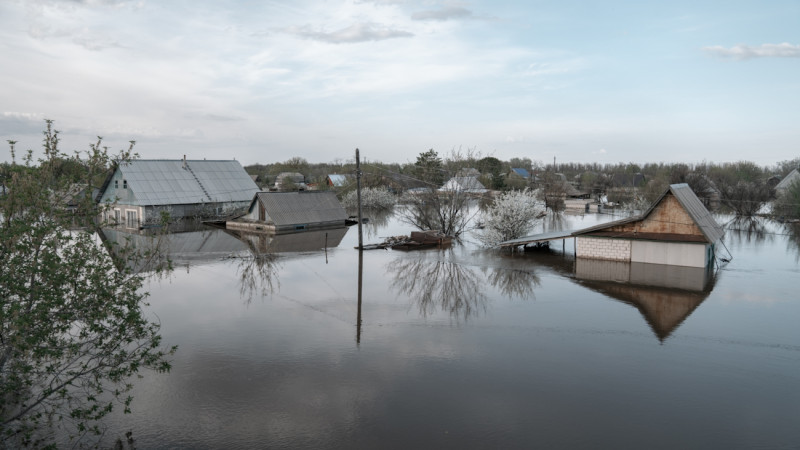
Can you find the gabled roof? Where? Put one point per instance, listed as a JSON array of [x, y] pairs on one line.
[[521, 172], [176, 182], [463, 184], [688, 200], [290, 208], [787, 181], [338, 180]]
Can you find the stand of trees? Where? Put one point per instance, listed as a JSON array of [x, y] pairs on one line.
[[73, 327]]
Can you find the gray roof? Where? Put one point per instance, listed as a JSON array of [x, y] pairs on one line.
[[167, 182], [338, 180], [291, 208], [463, 183], [787, 181]]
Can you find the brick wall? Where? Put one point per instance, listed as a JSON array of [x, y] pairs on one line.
[[604, 248]]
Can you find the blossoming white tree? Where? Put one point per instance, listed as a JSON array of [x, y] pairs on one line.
[[511, 215]]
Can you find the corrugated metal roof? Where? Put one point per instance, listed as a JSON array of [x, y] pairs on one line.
[[687, 198], [541, 237], [521, 172], [693, 206], [787, 181], [167, 182], [338, 180], [292, 208]]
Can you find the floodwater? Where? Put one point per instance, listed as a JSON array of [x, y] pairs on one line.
[[464, 348]]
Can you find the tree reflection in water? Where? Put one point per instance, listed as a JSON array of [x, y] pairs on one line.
[[514, 282], [434, 283], [746, 230], [378, 220], [258, 272], [792, 231]]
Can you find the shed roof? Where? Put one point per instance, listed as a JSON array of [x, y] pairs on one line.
[[688, 200], [682, 192], [170, 182], [290, 208]]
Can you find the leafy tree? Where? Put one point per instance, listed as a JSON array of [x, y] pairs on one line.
[[72, 325], [429, 168], [493, 167]]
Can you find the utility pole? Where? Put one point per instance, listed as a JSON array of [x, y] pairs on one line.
[[358, 194]]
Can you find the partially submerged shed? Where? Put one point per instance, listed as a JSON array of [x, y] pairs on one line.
[[676, 230], [291, 211]]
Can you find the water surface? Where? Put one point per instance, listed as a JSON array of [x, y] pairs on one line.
[[469, 348]]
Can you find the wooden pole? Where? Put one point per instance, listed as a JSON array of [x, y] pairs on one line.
[[358, 194]]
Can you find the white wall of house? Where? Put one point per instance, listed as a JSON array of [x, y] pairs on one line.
[[603, 248], [672, 253]]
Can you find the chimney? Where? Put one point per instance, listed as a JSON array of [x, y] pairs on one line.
[[184, 162]]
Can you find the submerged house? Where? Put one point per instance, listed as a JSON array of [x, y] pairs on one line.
[[676, 230], [140, 190], [782, 187], [464, 184], [291, 211]]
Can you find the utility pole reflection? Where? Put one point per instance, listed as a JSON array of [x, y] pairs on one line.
[[360, 276]]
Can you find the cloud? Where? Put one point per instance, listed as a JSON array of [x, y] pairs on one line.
[[354, 33], [447, 13], [602, 151], [743, 52]]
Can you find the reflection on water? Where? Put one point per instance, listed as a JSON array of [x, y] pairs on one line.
[[190, 245], [434, 282], [792, 230], [378, 219], [288, 373], [665, 295], [747, 230]]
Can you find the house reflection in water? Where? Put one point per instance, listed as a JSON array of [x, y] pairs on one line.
[[304, 241], [665, 295], [182, 245]]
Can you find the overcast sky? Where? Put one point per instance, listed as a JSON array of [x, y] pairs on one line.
[[264, 81]]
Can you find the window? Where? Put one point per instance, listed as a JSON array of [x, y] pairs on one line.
[[116, 184], [116, 216], [124, 184], [132, 221]]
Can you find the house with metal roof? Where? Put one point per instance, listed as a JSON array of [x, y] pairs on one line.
[[676, 230], [139, 191], [464, 184], [787, 182], [338, 180], [291, 211], [518, 171]]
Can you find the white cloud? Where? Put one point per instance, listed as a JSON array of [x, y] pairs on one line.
[[360, 32], [742, 51], [446, 13], [602, 151]]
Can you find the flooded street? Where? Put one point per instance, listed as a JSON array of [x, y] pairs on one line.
[[465, 347]]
